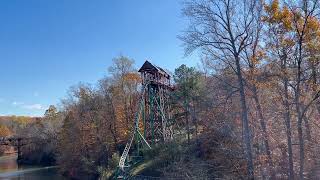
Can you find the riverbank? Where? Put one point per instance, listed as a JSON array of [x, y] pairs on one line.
[[9, 169]]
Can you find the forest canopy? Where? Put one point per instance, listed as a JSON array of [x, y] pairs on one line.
[[250, 110]]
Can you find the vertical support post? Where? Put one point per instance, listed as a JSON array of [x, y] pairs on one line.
[[138, 144], [159, 117], [151, 96], [144, 115]]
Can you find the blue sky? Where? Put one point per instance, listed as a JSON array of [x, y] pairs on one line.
[[46, 46]]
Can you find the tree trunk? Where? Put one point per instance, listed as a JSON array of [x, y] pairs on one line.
[[315, 83], [245, 121], [264, 130], [298, 109], [187, 120], [288, 129], [113, 123], [188, 128], [194, 119], [301, 146], [308, 128]]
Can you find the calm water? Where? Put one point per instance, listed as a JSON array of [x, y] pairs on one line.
[[9, 170]]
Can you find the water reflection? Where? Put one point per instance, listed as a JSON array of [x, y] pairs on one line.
[[9, 170], [8, 163]]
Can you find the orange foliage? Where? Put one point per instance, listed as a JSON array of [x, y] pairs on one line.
[[4, 131], [133, 77]]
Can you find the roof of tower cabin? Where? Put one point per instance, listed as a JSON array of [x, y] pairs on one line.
[[151, 68]]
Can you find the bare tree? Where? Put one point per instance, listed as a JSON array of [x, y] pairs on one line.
[[303, 12], [222, 29]]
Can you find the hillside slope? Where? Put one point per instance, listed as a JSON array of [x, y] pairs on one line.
[[211, 155]]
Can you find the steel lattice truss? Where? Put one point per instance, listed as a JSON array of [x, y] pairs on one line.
[[151, 124]]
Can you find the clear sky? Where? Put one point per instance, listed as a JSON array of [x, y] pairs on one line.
[[46, 46]]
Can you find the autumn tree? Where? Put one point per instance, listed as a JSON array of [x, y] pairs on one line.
[[223, 29], [295, 27], [4, 132], [86, 133], [97, 119], [256, 79], [280, 46], [124, 92]]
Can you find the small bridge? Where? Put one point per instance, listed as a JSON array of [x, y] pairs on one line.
[[16, 142]]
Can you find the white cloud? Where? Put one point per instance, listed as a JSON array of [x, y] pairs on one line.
[[34, 107]]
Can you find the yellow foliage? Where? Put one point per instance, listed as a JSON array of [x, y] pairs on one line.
[[132, 77], [4, 131], [277, 16], [288, 42], [286, 18], [275, 5], [256, 59], [313, 24]]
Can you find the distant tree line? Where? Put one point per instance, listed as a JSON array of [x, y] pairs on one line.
[[250, 110]]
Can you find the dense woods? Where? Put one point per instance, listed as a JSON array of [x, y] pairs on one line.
[[269, 49], [250, 110]]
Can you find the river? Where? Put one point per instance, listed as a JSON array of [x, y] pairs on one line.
[[10, 170]]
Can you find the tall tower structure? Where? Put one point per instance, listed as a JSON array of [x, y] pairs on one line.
[[151, 124], [156, 109]]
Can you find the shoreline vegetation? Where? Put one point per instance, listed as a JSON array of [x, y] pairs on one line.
[[249, 111], [87, 135]]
